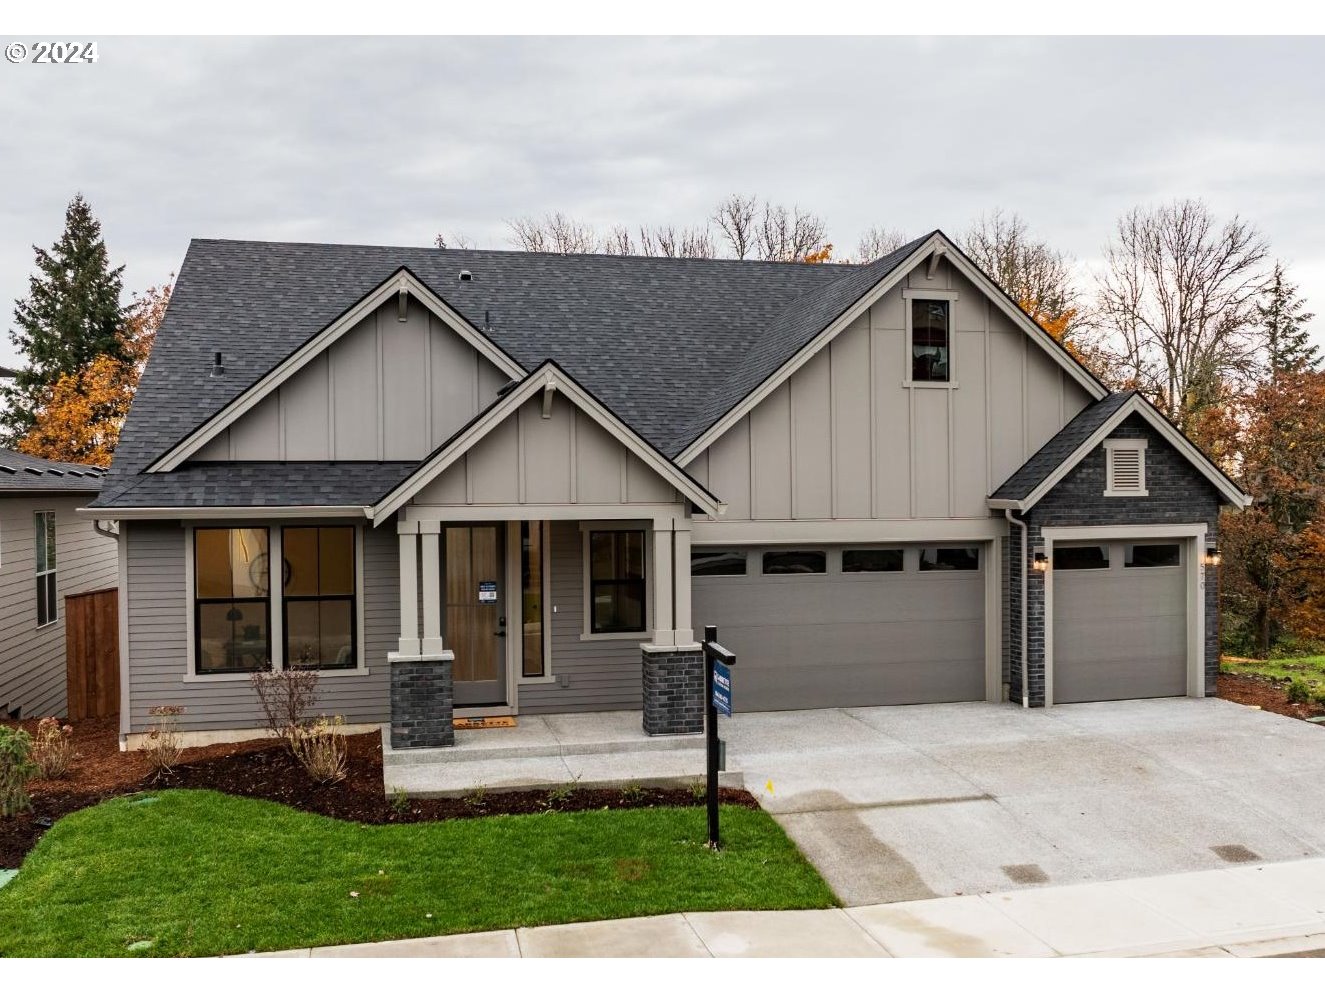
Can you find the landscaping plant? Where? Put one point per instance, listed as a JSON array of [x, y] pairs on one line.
[[163, 744], [1298, 691], [287, 698], [53, 750], [320, 748], [16, 768]]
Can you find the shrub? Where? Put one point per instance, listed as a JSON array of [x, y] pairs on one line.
[[16, 768], [163, 744], [476, 798], [321, 750], [632, 793], [559, 796], [399, 801], [53, 751], [1298, 691], [287, 698]]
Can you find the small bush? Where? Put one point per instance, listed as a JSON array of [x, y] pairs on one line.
[[476, 798], [1298, 691], [321, 750], [16, 769], [399, 801], [163, 744], [699, 789], [53, 751], [287, 698], [559, 796], [632, 792]]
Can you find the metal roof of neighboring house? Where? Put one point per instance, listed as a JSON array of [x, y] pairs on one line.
[[25, 474]]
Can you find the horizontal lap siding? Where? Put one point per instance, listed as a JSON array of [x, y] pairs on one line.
[[32, 660], [602, 675], [158, 650]]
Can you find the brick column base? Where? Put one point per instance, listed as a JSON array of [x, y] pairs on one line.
[[673, 691], [422, 702]]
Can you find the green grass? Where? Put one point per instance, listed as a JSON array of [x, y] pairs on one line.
[[201, 873], [1311, 668]]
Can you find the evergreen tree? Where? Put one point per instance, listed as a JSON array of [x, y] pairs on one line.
[[71, 316], [1284, 320]]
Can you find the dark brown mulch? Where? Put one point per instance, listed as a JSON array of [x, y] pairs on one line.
[[265, 770], [1268, 694]]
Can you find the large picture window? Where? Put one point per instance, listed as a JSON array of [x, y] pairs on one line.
[[616, 581], [48, 606], [317, 597], [232, 608]]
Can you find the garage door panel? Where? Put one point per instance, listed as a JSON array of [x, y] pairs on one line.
[[838, 640]]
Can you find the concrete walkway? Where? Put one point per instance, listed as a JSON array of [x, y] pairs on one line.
[[1247, 911]]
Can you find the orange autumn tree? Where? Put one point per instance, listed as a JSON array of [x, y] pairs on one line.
[[81, 413]]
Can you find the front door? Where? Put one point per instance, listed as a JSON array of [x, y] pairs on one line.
[[476, 612]]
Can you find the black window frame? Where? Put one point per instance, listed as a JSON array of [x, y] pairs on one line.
[[899, 553], [944, 570], [617, 584], [200, 601], [744, 555], [352, 597], [821, 553], [926, 374], [47, 567]]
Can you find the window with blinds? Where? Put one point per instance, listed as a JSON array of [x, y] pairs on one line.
[[1126, 464]]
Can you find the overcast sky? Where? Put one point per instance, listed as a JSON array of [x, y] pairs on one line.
[[388, 141]]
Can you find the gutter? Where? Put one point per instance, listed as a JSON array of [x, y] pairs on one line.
[[1025, 666]]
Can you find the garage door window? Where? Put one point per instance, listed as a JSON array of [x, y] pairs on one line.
[[952, 558], [715, 562], [797, 562], [872, 560], [616, 581], [1152, 556], [1081, 557]]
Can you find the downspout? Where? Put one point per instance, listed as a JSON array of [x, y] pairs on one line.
[[106, 532], [1025, 669]]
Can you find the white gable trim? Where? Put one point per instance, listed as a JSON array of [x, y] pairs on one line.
[[935, 245], [402, 281], [548, 376], [1134, 405]]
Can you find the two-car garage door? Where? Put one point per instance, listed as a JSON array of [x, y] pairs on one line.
[[847, 626]]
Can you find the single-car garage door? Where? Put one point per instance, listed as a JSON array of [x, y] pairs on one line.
[[847, 626], [1120, 620]]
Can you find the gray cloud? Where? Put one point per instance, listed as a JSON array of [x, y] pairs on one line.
[[389, 140]]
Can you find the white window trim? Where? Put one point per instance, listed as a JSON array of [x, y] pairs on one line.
[[1112, 445], [275, 553], [586, 626], [39, 573], [950, 297], [548, 676]]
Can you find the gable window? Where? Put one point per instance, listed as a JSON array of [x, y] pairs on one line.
[[872, 560], [795, 563], [48, 609], [317, 597], [231, 602], [717, 562], [616, 582], [950, 558], [1125, 467], [930, 341]]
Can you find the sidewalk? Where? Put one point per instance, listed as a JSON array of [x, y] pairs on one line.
[[1243, 911]]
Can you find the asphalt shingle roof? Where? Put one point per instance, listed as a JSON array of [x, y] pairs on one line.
[[1060, 447], [667, 344], [25, 474], [266, 484]]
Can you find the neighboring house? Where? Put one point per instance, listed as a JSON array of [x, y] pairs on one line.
[[47, 552], [563, 466]]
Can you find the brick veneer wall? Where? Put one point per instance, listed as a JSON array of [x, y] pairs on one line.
[[1178, 494], [673, 692], [422, 703]]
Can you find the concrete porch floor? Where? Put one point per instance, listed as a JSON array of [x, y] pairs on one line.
[[589, 750]]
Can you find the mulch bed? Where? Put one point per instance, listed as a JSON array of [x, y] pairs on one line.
[[265, 770], [1268, 694]]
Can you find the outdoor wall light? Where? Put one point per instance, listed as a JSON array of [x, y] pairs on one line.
[[1212, 556], [1041, 563]]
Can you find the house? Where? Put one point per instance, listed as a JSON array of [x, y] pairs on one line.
[[47, 552], [490, 482]]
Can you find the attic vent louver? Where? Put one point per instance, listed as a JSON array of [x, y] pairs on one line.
[[466, 276], [1125, 471], [218, 366]]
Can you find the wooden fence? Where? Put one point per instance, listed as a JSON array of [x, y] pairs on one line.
[[92, 653]]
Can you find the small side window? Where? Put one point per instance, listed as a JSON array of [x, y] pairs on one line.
[[797, 562], [717, 562], [872, 560], [1081, 556], [930, 351], [1153, 556], [950, 558]]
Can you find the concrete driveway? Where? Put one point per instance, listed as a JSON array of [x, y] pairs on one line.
[[907, 803]]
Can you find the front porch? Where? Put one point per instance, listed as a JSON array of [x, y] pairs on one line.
[[588, 751]]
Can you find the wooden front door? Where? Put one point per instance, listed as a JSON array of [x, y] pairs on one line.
[[475, 573]]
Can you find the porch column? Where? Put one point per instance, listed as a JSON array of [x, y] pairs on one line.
[[663, 633], [409, 588], [431, 534], [685, 627]]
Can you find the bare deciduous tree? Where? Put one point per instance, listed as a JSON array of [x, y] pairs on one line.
[[735, 218], [1031, 272], [788, 235], [672, 242], [455, 239], [877, 242], [619, 241], [1178, 297], [554, 233]]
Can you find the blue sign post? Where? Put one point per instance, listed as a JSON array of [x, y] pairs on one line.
[[718, 691], [722, 688]]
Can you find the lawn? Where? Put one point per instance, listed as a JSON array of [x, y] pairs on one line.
[[196, 872], [1310, 668]]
